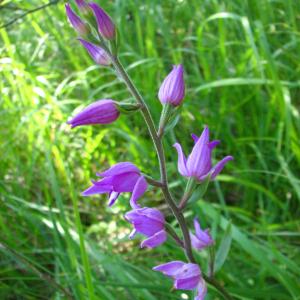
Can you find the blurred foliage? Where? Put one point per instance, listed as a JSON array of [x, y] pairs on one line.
[[241, 62]]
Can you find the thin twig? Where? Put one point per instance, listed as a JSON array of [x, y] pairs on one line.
[[29, 12]]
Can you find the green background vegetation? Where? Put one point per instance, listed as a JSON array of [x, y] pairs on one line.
[[242, 70]]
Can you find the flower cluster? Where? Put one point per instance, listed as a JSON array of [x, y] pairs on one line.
[[97, 34]]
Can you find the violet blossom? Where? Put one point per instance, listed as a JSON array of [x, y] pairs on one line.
[[199, 162], [202, 238], [172, 89], [186, 276], [106, 26], [121, 178], [100, 112], [149, 222], [80, 26], [97, 53]]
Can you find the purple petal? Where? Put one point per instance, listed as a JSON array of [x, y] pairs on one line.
[[187, 277], [201, 290], [200, 244], [186, 283], [147, 221], [97, 53], [139, 190], [145, 213], [213, 144], [187, 271], [125, 182], [120, 168], [155, 240], [220, 165], [199, 161], [181, 165], [195, 138], [97, 189], [147, 227], [197, 226], [104, 181], [169, 269], [202, 238], [113, 198]]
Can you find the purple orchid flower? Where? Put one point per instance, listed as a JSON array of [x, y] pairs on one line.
[[100, 112], [172, 89], [75, 21], [202, 238], [97, 53], [106, 26], [149, 222], [121, 178], [199, 162], [186, 276]]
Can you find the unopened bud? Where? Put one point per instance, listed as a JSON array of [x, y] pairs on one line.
[[80, 26], [172, 89], [106, 26], [97, 53]]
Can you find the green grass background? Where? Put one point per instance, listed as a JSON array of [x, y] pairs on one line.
[[241, 60]]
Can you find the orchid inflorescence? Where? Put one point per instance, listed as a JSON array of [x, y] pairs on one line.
[[97, 34]]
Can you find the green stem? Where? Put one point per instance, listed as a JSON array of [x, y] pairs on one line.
[[174, 235], [162, 165]]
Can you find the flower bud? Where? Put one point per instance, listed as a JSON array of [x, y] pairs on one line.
[[172, 89], [97, 53], [100, 112], [105, 25], [82, 6], [76, 22]]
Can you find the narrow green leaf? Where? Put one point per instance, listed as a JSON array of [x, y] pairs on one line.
[[224, 248]]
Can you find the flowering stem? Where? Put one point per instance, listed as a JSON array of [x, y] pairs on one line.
[[162, 165]]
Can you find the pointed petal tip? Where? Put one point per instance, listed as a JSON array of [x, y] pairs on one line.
[[155, 240]]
